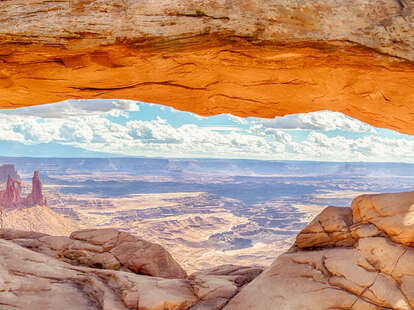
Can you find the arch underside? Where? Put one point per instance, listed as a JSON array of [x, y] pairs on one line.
[[216, 66]]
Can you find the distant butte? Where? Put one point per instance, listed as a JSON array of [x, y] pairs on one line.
[[11, 197]]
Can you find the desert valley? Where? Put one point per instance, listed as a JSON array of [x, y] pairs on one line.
[[204, 212]]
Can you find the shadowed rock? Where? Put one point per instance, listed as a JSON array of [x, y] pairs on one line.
[[103, 249]]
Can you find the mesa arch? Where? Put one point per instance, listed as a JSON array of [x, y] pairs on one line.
[[246, 57]]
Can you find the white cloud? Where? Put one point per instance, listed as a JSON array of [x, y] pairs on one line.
[[322, 120], [76, 108], [94, 131]]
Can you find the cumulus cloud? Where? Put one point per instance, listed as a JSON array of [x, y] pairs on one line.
[[321, 120], [75, 108]]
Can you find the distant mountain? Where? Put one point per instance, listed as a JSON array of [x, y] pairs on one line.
[[196, 167], [17, 149]]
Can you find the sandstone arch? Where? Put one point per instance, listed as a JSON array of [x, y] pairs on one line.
[[245, 57]]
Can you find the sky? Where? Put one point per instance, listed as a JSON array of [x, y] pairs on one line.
[[108, 128]]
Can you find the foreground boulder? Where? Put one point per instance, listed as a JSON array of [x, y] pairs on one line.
[[36, 281], [30, 280], [103, 249], [336, 263]]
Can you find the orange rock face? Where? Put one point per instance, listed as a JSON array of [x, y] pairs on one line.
[[212, 77], [249, 58]]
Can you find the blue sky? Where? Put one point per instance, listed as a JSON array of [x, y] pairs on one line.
[[87, 128]]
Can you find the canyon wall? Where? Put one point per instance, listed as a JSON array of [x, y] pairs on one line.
[[246, 57]]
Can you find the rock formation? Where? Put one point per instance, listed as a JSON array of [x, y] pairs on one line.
[[343, 260], [6, 171], [32, 279], [36, 196], [104, 249], [12, 196], [246, 57]]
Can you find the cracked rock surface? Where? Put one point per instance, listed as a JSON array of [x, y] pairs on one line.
[[346, 258]]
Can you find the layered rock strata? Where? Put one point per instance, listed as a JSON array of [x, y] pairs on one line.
[[347, 258], [249, 58], [45, 278]]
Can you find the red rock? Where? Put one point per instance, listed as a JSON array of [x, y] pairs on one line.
[[36, 197], [12, 196]]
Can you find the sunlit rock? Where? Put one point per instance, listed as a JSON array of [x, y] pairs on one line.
[[375, 273]]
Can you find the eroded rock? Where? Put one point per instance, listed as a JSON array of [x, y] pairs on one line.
[[375, 273], [30, 280], [329, 229], [103, 249], [216, 286], [12, 197], [42, 279]]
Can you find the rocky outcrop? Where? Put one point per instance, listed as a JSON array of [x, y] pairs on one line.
[[329, 229], [249, 58], [104, 249], [43, 278], [30, 280], [372, 269], [11, 197], [6, 171], [216, 286]]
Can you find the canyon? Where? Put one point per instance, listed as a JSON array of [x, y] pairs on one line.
[[346, 258]]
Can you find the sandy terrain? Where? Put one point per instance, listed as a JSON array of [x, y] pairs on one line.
[[38, 218]]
